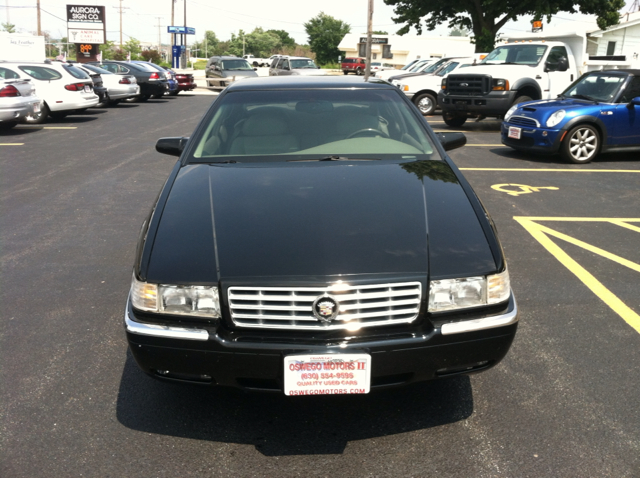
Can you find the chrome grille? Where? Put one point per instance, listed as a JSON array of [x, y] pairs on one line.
[[291, 307], [523, 121]]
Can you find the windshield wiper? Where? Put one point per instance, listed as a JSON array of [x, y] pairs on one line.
[[334, 158], [585, 97]]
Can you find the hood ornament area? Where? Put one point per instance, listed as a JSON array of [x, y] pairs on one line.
[[325, 308]]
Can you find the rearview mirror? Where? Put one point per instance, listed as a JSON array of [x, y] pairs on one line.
[[171, 146], [451, 141]]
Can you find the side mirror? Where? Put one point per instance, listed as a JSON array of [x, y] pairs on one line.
[[255, 69], [217, 68], [635, 101], [171, 146], [286, 68], [563, 64], [451, 141]]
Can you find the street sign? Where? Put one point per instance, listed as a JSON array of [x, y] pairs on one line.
[[182, 30]]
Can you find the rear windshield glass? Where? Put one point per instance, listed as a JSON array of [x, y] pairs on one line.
[[236, 65], [41, 72], [96, 69], [311, 124], [144, 66], [350, 60], [76, 72]]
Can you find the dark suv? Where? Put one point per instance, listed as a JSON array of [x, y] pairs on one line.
[[152, 82], [221, 71]]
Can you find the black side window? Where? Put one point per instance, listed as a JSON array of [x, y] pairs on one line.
[[631, 91], [556, 53], [285, 64], [8, 74], [41, 73]]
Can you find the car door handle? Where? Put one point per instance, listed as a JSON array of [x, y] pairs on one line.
[[538, 77]]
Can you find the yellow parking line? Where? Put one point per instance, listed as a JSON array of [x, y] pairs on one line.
[[11, 144], [541, 234], [546, 170], [28, 126]]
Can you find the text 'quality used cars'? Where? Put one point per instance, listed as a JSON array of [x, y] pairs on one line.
[[315, 238]]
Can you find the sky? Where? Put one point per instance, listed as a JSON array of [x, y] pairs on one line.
[[147, 20]]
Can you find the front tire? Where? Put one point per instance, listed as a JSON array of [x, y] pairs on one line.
[[521, 99], [358, 72], [455, 121], [38, 118], [581, 144], [345, 72], [426, 103]]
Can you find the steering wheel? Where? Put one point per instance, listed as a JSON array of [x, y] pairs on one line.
[[369, 131]]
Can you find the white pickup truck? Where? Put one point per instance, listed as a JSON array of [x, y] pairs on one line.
[[255, 61], [533, 67]]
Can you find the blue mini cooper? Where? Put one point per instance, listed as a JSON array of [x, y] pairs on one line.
[[599, 112]]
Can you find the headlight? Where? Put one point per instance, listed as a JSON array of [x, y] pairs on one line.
[[500, 85], [510, 112], [443, 84], [451, 294], [555, 118], [195, 300]]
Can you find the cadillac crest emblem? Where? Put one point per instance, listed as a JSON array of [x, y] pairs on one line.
[[325, 308]]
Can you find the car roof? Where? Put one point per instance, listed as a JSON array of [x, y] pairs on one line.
[[623, 70], [311, 82]]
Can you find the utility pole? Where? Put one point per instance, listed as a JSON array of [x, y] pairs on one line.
[[7, 8], [367, 68], [120, 9], [159, 34], [173, 35], [184, 38], [39, 27]]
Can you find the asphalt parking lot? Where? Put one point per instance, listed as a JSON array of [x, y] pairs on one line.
[[564, 402]]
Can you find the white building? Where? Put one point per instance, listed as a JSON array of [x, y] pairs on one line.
[[622, 39], [400, 50]]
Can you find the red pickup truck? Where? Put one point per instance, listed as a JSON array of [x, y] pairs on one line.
[[354, 65]]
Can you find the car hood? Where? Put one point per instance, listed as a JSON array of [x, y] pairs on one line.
[[315, 220], [407, 75], [542, 109], [232, 73], [510, 72]]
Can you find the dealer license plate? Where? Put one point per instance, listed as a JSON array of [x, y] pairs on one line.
[[514, 132], [87, 89], [327, 374]]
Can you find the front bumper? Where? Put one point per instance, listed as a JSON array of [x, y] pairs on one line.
[[496, 103], [532, 139], [254, 360]]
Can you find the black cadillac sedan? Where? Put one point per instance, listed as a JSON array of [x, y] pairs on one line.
[[315, 238]]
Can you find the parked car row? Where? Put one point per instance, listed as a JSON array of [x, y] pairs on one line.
[[31, 92]]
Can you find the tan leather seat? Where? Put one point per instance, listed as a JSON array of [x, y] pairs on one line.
[[264, 134]]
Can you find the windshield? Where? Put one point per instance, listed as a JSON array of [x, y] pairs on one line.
[[236, 65], [448, 68], [517, 54], [96, 69], [303, 64], [418, 65], [311, 124], [76, 72], [596, 86], [432, 68]]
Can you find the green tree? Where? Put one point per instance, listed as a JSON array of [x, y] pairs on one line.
[[133, 47], [108, 50], [486, 17], [8, 27], [459, 32], [208, 47], [380, 33], [325, 34], [151, 55], [258, 43], [285, 40]]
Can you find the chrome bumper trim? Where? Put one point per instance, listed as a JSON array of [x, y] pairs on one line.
[[155, 330], [482, 324]]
